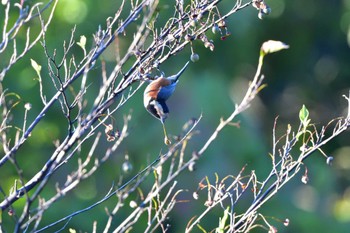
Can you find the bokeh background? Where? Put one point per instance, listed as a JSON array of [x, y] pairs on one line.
[[315, 71]]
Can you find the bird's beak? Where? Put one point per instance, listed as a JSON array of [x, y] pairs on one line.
[[181, 71]]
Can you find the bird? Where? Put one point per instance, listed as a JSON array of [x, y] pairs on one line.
[[157, 93]]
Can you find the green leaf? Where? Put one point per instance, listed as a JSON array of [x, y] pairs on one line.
[[201, 228], [222, 222], [35, 66], [82, 42], [272, 46], [304, 115]]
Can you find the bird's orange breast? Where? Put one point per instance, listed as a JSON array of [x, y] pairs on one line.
[[154, 87]]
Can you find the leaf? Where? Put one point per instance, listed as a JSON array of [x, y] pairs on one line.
[[201, 228], [35, 66], [222, 222], [273, 46], [304, 115], [82, 42]]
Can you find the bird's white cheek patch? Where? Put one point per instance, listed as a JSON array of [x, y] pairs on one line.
[[146, 100], [159, 109]]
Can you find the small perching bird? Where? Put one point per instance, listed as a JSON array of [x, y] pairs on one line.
[[156, 95]]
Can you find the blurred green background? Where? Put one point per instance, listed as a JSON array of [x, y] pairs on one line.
[[315, 71]]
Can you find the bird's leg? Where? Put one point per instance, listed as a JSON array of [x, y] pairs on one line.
[[166, 138]]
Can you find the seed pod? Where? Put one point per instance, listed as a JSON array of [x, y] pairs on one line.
[[261, 15], [194, 57], [329, 160], [189, 37], [133, 204], [127, 166], [266, 10], [222, 24], [193, 22], [215, 29], [192, 166]]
